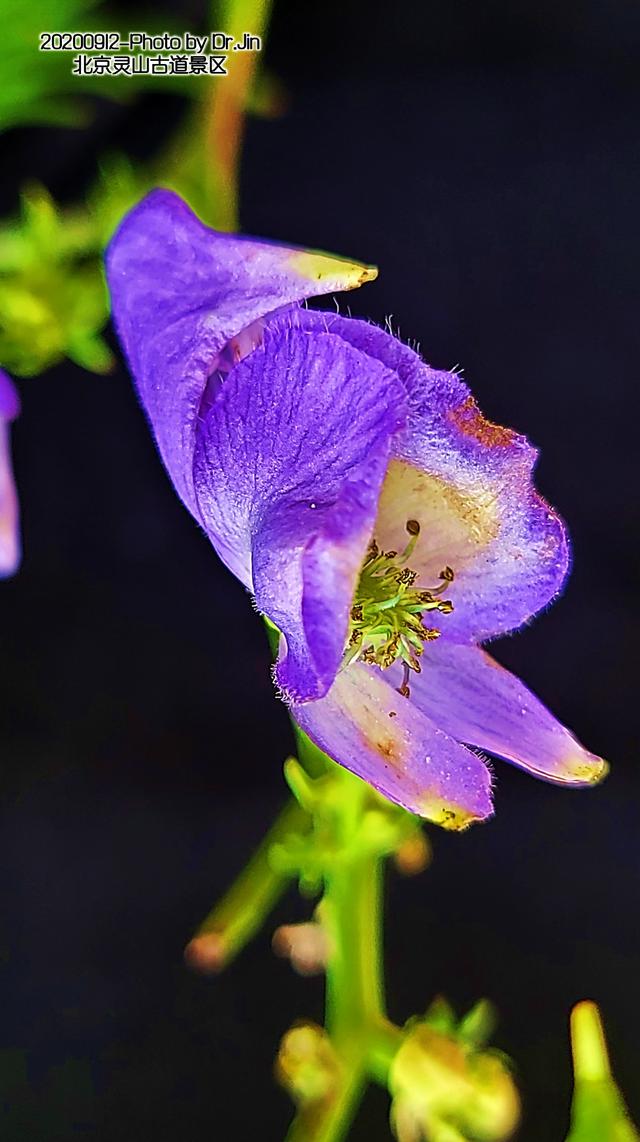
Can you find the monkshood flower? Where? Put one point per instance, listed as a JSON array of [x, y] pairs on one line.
[[379, 521], [9, 512]]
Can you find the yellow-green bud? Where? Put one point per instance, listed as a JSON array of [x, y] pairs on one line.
[[446, 1090], [598, 1112], [307, 1065]]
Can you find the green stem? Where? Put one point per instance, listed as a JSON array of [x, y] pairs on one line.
[[330, 1121], [354, 998], [361, 1035], [223, 110], [242, 911], [385, 1041], [363, 1039], [354, 991]]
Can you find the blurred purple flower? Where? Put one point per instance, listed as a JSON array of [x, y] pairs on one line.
[[9, 511], [348, 485]]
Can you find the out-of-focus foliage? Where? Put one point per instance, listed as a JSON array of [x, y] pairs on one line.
[[598, 1112], [39, 87], [121, 184], [119, 187], [53, 301], [52, 295]]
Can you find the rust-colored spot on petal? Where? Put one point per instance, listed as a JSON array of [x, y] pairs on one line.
[[468, 419], [388, 749], [386, 745]]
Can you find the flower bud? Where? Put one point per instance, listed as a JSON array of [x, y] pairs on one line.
[[445, 1088], [307, 1065], [598, 1110], [305, 945], [413, 855]]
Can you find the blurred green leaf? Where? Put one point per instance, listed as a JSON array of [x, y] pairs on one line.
[[53, 301], [120, 186], [39, 87]]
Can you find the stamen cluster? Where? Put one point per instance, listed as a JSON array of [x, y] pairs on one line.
[[386, 621]]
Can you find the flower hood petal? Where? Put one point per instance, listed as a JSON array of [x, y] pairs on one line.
[[365, 725], [477, 701], [289, 461], [180, 292], [9, 509], [469, 484]]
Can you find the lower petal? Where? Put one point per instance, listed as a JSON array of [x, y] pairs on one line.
[[479, 702], [366, 726]]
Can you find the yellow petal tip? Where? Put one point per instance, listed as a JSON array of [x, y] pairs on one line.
[[451, 817], [334, 274], [587, 770]]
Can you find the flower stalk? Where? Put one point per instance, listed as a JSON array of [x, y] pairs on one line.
[[354, 982], [244, 908], [352, 910], [334, 837], [223, 110]]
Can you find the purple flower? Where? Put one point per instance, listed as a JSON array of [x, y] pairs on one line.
[[381, 523], [9, 511]]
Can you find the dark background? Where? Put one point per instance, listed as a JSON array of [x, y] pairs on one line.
[[486, 157]]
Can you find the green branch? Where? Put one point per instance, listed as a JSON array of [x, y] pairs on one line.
[[242, 911]]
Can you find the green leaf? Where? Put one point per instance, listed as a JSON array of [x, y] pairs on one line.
[[53, 300]]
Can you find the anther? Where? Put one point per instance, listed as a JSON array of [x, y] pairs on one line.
[[407, 576], [387, 614], [404, 688]]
